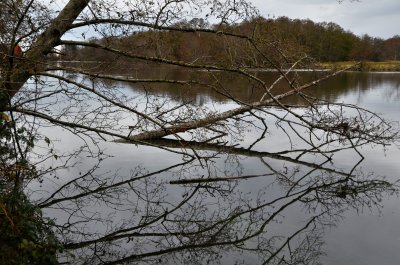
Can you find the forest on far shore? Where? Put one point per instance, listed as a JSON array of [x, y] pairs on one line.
[[324, 42]]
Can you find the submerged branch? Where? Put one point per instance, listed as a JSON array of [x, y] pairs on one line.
[[183, 127], [171, 143]]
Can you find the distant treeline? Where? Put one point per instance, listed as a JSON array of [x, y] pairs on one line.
[[324, 42]]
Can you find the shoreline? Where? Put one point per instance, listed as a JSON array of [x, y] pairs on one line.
[[364, 66]]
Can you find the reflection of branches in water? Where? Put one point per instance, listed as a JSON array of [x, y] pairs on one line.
[[213, 207], [141, 218], [218, 204], [207, 206]]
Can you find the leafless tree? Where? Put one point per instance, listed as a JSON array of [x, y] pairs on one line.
[[202, 215]]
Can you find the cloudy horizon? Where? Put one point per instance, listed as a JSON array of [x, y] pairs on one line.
[[357, 16], [360, 17]]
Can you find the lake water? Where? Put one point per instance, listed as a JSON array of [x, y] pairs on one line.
[[141, 189]]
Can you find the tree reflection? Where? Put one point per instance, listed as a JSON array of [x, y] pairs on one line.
[[205, 209], [255, 185]]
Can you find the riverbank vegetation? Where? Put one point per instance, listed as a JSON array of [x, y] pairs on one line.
[[323, 42], [365, 66]]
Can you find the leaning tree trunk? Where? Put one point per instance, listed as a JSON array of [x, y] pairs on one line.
[[39, 49], [200, 123]]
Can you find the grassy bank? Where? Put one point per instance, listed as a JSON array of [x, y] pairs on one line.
[[389, 66]]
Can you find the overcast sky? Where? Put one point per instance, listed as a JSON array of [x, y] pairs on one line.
[[378, 18]]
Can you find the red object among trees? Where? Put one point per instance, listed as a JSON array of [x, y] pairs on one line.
[[18, 51]]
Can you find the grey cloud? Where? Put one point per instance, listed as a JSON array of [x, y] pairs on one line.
[[376, 18]]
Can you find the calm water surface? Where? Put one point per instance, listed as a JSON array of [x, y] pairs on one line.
[[363, 236]]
